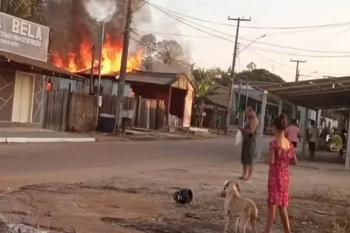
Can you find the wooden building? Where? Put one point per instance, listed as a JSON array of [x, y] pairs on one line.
[[23, 84], [175, 89]]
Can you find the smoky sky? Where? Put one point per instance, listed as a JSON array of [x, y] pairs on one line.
[[72, 21]]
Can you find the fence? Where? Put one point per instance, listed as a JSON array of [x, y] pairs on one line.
[[56, 110], [150, 114], [109, 104], [144, 113], [77, 112], [69, 111]]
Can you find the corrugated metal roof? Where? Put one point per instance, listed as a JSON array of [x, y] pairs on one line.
[[45, 66], [165, 79], [148, 77], [315, 94], [221, 94]]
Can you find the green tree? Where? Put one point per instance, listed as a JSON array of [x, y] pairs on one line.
[[206, 81], [170, 52], [27, 9], [251, 66], [150, 44], [259, 75]]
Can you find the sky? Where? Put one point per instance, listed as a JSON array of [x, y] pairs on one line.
[[209, 51]]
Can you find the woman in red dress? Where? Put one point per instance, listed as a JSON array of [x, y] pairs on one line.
[[281, 154]]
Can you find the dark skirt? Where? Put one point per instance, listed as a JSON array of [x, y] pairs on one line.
[[248, 151]]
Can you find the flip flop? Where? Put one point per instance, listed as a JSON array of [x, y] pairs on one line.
[[241, 178], [247, 180]]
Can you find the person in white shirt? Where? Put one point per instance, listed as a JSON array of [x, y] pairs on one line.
[[312, 138]]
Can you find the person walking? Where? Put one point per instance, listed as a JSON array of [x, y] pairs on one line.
[[312, 138], [281, 154], [293, 133], [249, 143]]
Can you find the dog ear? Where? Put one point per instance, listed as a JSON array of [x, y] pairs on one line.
[[238, 188], [226, 185]]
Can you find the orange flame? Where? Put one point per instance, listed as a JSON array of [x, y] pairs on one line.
[[111, 58]]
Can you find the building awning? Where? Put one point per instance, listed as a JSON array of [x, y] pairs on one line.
[[324, 93], [37, 66]]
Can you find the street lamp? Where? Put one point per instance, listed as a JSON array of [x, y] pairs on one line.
[[247, 83], [252, 42]]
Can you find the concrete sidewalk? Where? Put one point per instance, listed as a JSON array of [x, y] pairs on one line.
[[38, 135], [144, 135]]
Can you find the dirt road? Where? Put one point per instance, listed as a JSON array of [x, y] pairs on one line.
[[127, 187]]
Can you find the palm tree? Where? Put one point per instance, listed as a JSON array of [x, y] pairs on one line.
[[205, 86], [205, 81]]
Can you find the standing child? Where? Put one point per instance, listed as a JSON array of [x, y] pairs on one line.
[[282, 152]]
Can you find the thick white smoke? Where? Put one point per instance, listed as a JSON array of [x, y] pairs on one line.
[[101, 10]]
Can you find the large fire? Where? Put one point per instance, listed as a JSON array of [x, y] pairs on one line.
[[111, 57]]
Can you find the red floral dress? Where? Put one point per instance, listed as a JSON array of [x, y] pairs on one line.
[[278, 184]]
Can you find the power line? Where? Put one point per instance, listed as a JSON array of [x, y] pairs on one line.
[[187, 22], [261, 54], [298, 49], [299, 54], [254, 27], [258, 42], [190, 24], [143, 44], [178, 19], [175, 34]]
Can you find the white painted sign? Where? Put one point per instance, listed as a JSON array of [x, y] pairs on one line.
[[23, 37]]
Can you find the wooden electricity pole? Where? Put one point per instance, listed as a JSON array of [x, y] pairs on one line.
[[297, 74], [231, 95], [123, 69]]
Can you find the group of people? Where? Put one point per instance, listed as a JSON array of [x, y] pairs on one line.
[[281, 155]]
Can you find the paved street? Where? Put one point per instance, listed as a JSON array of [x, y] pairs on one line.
[[134, 181], [29, 163]]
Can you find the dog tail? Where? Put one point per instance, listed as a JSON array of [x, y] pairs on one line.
[[253, 218]]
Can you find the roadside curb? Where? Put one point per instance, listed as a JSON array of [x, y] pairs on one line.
[[44, 140]]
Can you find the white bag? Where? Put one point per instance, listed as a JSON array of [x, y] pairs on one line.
[[239, 138]]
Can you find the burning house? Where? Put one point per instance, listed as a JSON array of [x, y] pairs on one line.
[[77, 35], [77, 47]]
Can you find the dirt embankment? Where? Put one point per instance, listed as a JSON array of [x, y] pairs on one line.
[[136, 205]]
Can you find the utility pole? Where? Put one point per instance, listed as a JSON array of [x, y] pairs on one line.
[[231, 95], [123, 68], [92, 70], [297, 74], [246, 100], [100, 66]]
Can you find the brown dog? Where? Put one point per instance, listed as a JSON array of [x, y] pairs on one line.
[[242, 209]]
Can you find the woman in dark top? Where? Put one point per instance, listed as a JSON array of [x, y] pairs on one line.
[[249, 143]]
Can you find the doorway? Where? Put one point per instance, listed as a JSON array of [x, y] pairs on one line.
[[23, 99]]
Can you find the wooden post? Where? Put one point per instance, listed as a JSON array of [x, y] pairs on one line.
[[305, 121], [148, 106], [261, 125], [280, 107], [347, 159], [169, 103], [139, 104], [294, 111]]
